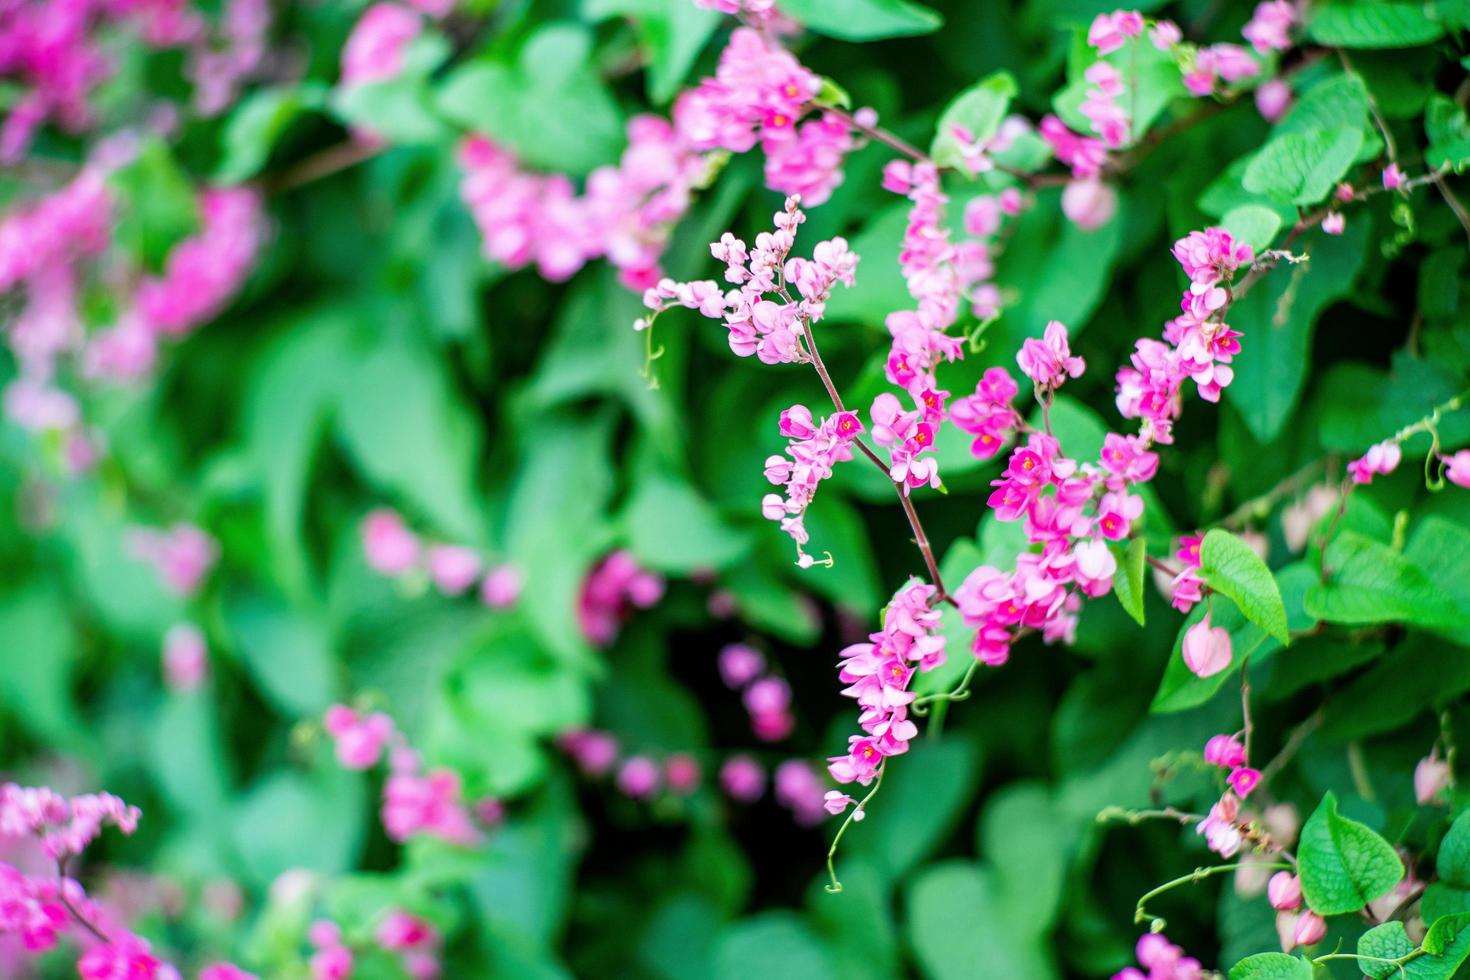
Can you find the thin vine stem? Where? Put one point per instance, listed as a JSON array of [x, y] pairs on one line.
[[1140, 912], [836, 886]]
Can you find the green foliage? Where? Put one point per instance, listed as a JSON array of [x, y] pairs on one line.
[[1271, 966], [864, 20], [1374, 25], [1343, 864], [1303, 167], [980, 110], [1368, 582], [1231, 568], [1128, 584]]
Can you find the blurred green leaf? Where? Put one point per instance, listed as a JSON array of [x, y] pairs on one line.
[[979, 109], [1303, 167], [863, 20], [1373, 25]]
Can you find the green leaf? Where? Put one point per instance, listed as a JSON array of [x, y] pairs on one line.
[[979, 109], [1180, 688], [863, 20], [1279, 316], [672, 35], [159, 208], [1303, 168], [1231, 568], [549, 105], [1445, 947], [1419, 674], [1449, 134], [399, 109], [1369, 582], [1066, 269], [1441, 900], [1453, 861], [257, 122], [671, 528], [773, 944], [925, 797], [1128, 583], [1374, 25], [37, 654], [294, 820], [1271, 966], [1254, 224], [960, 929], [1025, 840], [288, 653], [1343, 864]]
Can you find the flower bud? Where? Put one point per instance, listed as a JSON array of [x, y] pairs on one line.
[[1273, 98], [1431, 778], [1310, 928], [1224, 751], [1089, 204], [1207, 649], [1284, 891]]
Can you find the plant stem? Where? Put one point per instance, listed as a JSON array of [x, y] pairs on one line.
[[836, 885], [82, 920], [1140, 913]]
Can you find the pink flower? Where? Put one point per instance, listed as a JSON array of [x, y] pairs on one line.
[[1225, 751], [739, 665], [1284, 891], [1270, 26], [1457, 468], [1334, 224], [501, 587], [1393, 177], [613, 588], [1084, 154], [378, 44], [1207, 649], [1165, 34], [1220, 829], [1109, 32], [1049, 361], [1432, 776], [185, 657], [1379, 460], [430, 803], [401, 930], [638, 778], [452, 568], [742, 779], [183, 555], [682, 773], [799, 790], [390, 547], [1089, 204], [201, 273], [837, 802], [360, 740], [1273, 98], [1310, 929], [331, 963], [125, 958], [225, 971], [1243, 780]]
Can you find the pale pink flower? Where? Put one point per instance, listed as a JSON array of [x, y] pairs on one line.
[[1432, 776], [1207, 649], [638, 778], [1334, 224], [390, 547], [1285, 891], [1457, 468], [185, 657], [1393, 177], [376, 48], [501, 586], [742, 779], [452, 568]]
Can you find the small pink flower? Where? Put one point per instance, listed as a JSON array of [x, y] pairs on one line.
[[1334, 224], [742, 779], [1273, 98], [1310, 929], [1284, 891], [837, 802], [452, 568], [1379, 460], [1089, 204], [377, 47], [390, 547], [594, 752], [1393, 177], [1457, 468], [185, 657], [501, 587], [224, 971], [638, 779], [1243, 780], [360, 741], [682, 773], [1432, 776], [1224, 751], [1049, 361], [1207, 649], [739, 665], [401, 930]]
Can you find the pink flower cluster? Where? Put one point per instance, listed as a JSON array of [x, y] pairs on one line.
[[1102, 107], [624, 214], [1086, 155], [415, 801], [988, 414], [416, 942], [218, 70], [64, 826], [908, 435], [182, 555], [940, 275], [1187, 587], [1163, 961], [30, 907], [613, 588], [1229, 63], [1110, 31], [797, 786], [1048, 361], [878, 674], [1270, 26], [813, 449], [127, 957], [766, 696], [1379, 460], [1227, 752], [393, 549], [200, 276], [376, 48], [1197, 344], [757, 95]]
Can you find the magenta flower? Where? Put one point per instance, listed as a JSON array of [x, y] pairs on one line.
[[1379, 460], [1243, 780], [1270, 26], [682, 773], [377, 47], [185, 657], [638, 779], [1049, 361], [501, 587], [742, 779], [452, 568], [1393, 177], [1225, 751], [1273, 98], [387, 543], [739, 665], [360, 740]]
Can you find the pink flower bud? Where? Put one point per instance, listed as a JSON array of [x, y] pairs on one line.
[[185, 657], [1284, 891], [1457, 468], [453, 568], [1224, 751], [1089, 204], [1273, 98], [638, 779], [1310, 928], [1431, 778], [742, 779], [740, 664], [501, 587], [682, 773], [1393, 177], [1334, 224], [1207, 649], [391, 548]]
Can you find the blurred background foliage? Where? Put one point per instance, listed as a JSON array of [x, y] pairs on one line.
[[375, 358]]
